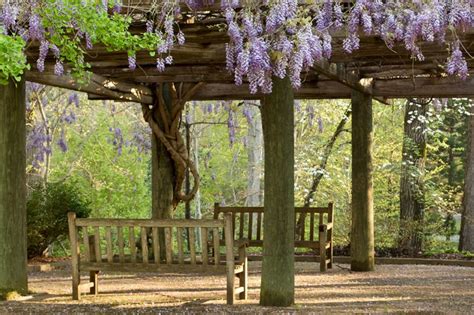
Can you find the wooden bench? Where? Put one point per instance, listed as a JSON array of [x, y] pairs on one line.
[[148, 246], [318, 236]]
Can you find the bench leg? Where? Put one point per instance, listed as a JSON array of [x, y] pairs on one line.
[[322, 249], [76, 293], [243, 276], [94, 278], [230, 284]]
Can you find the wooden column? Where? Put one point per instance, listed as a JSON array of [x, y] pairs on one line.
[[12, 189], [362, 235], [277, 288]]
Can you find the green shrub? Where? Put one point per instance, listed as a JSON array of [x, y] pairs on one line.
[[47, 208]]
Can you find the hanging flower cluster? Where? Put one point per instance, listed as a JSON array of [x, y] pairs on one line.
[[66, 29], [279, 38], [267, 37]]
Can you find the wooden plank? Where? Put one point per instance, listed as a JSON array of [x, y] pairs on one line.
[[131, 242], [229, 244], [120, 243], [330, 233], [180, 245], [150, 223], [216, 239], [192, 245], [204, 255], [156, 245], [243, 276], [98, 253], [169, 246], [259, 226], [250, 226], [108, 239], [87, 250], [322, 248], [260, 209], [144, 242], [241, 225], [234, 221], [303, 227], [141, 267], [76, 294], [311, 226]]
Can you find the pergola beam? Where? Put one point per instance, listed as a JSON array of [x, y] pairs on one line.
[[103, 88], [97, 85]]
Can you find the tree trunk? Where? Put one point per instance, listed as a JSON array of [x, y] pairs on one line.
[[278, 282], [412, 202], [163, 172], [13, 188], [255, 156], [466, 240], [197, 198], [362, 234], [318, 175]]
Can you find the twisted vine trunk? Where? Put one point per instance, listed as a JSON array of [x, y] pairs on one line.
[[170, 158], [163, 168], [13, 188], [466, 241], [412, 201]]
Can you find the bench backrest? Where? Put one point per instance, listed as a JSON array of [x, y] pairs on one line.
[[247, 222], [132, 245]]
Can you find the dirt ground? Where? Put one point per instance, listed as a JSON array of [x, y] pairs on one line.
[[401, 288]]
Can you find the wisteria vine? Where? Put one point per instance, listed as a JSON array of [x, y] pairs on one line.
[[267, 37]]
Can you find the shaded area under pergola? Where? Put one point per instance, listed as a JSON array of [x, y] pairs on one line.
[[199, 73]]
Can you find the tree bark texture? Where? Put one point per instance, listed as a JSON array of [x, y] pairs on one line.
[[255, 161], [13, 259], [362, 232], [255, 157], [163, 169], [412, 201], [278, 283], [466, 240]]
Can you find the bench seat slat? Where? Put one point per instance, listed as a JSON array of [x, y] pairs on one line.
[[186, 267], [150, 223]]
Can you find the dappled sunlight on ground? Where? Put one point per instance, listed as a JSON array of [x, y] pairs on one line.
[[390, 288]]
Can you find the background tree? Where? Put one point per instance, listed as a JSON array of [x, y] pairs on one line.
[[412, 199], [466, 241]]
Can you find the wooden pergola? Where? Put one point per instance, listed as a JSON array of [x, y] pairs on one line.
[[199, 73]]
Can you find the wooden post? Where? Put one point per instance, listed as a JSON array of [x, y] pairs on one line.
[[76, 294], [243, 276], [93, 274], [229, 250], [13, 188], [278, 282], [362, 235], [323, 233]]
